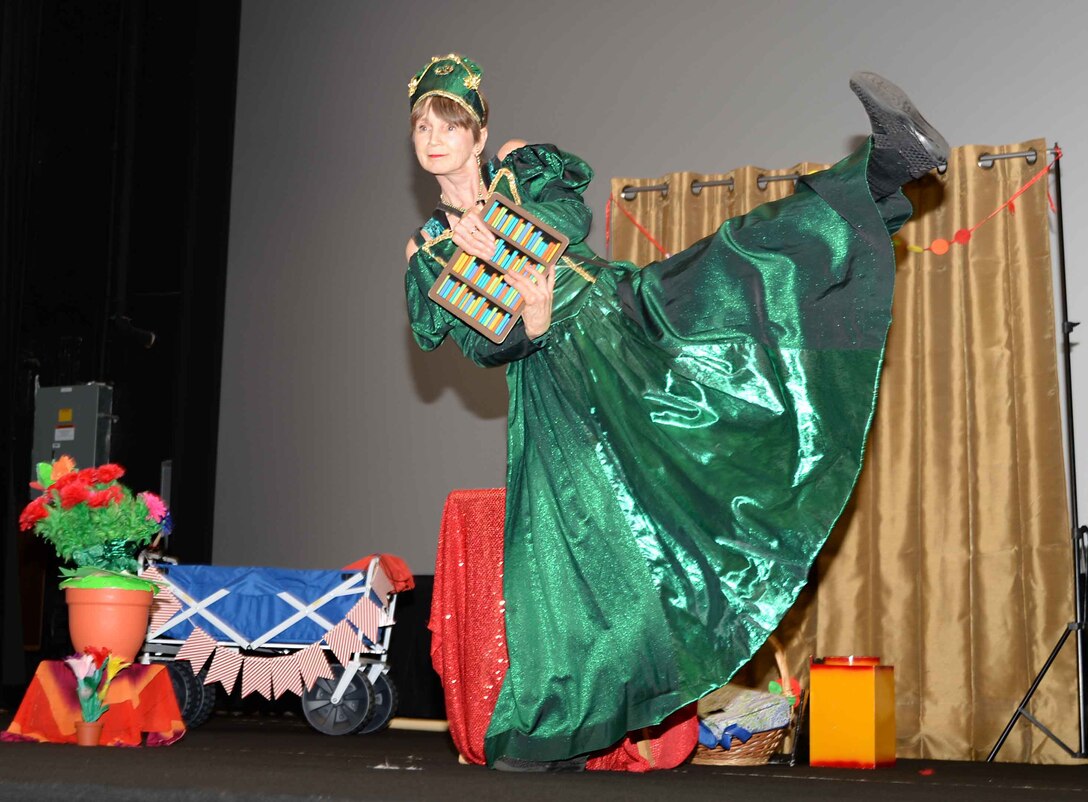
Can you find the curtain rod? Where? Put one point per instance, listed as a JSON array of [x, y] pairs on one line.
[[985, 162]]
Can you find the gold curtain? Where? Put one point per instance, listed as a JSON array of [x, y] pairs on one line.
[[952, 561]]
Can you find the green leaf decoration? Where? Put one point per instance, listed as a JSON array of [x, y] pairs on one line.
[[45, 474]]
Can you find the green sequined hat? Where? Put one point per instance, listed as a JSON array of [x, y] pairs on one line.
[[454, 77]]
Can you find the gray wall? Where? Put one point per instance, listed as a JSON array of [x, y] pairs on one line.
[[338, 437]]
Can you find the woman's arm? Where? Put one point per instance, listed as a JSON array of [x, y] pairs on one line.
[[552, 182], [517, 345], [431, 323]]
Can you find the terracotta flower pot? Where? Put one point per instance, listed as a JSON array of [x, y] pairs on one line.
[[108, 617], [88, 733]]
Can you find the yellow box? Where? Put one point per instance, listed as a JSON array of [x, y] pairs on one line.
[[851, 713]]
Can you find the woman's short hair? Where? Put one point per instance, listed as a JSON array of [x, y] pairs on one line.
[[449, 111]]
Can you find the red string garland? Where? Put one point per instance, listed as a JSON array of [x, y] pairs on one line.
[[608, 218], [940, 246]]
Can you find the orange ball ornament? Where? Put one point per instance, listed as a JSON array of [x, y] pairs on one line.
[[939, 247]]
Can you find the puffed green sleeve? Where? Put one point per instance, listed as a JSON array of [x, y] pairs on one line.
[[551, 183], [431, 323]]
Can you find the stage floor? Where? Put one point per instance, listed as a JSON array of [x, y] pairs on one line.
[[279, 757]]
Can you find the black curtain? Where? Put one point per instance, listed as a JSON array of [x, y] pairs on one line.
[[18, 65], [116, 136]]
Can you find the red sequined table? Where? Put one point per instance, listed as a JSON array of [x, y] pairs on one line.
[[468, 640]]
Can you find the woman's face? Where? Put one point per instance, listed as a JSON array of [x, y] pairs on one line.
[[443, 148]]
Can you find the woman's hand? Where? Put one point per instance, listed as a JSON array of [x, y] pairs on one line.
[[537, 290], [472, 235]]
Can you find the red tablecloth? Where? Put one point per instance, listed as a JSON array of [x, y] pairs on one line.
[[468, 643], [141, 700]]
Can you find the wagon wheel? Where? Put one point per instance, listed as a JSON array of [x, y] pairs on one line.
[[195, 699], [207, 702], [338, 719], [385, 705]]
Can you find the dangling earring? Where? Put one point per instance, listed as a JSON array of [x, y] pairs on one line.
[[480, 174]]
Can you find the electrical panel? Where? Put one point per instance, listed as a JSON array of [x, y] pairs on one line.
[[74, 420]]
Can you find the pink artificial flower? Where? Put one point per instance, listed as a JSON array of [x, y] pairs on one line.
[[156, 508], [82, 665]]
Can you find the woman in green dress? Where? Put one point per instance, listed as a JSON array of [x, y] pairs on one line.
[[683, 437]]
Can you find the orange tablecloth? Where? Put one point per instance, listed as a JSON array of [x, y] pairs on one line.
[[468, 643], [141, 700]]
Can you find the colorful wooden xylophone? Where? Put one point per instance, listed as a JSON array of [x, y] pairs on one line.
[[476, 290]]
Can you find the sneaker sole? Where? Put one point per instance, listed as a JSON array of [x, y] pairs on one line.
[[891, 110]]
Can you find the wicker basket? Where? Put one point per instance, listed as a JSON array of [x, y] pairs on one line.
[[759, 748]]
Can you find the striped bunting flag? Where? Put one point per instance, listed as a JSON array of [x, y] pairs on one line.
[[226, 663], [163, 608], [165, 605], [197, 649], [365, 615], [343, 641], [257, 676], [152, 574], [286, 675], [313, 664], [381, 584]]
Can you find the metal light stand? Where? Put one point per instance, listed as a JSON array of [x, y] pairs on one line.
[[1079, 533]]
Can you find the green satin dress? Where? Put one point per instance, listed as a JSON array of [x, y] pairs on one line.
[[681, 442]]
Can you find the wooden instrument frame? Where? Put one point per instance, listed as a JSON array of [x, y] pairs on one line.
[[462, 294]]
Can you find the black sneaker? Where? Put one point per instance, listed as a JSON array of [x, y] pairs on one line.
[[507, 763], [898, 125]]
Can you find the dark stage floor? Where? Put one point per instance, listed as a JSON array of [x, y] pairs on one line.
[[280, 757]]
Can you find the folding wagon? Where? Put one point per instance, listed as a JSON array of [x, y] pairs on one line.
[[276, 629]]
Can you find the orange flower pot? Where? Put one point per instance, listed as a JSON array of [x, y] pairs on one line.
[[88, 733], [108, 617]]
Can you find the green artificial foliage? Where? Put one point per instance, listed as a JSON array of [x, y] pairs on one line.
[[100, 537]]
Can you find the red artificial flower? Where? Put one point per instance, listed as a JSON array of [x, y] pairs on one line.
[[104, 474], [102, 498], [100, 654], [73, 494], [88, 476], [75, 477], [34, 512]]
